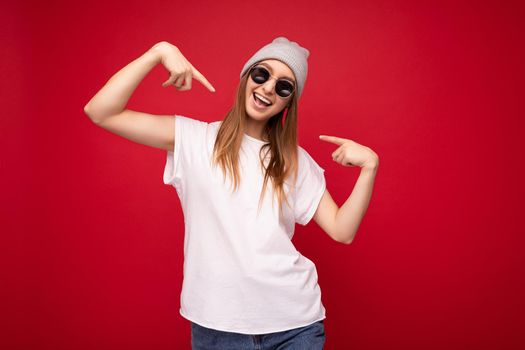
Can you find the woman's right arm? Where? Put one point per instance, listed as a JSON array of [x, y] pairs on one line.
[[107, 108]]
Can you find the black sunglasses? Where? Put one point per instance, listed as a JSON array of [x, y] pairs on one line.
[[260, 75]]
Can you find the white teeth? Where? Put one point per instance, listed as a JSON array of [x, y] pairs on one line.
[[262, 98]]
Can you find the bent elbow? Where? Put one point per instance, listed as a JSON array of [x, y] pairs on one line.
[[348, 242], [86, 112], [344, 241], [347, 239], [95, 121]]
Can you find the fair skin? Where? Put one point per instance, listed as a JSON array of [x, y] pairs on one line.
[[341, 224], [257, 117], [107, 109]]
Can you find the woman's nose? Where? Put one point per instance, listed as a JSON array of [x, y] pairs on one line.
[[268, 86]]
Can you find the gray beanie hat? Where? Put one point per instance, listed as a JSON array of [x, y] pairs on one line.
[[288, 52]]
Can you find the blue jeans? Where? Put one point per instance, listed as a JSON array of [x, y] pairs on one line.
[[311, 337]]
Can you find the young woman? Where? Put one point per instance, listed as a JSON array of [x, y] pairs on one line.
[[243, 183]]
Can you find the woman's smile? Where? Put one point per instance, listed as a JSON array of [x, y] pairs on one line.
[[262, 98], [258, 103]]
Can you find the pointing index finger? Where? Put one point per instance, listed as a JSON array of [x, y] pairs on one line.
[[202, 79], [332, 139]]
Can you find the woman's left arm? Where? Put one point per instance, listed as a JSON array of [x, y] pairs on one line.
[[347, 218]]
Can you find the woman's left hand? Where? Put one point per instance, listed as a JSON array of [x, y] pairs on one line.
[[350, 153]]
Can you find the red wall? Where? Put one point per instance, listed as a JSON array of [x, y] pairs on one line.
[[91, 242]]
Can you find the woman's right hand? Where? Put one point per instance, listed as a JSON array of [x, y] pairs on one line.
[[180, 69]]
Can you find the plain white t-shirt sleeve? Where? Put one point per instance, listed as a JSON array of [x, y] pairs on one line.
[[189, 142], [311, 185]]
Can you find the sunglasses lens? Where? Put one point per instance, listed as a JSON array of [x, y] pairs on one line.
[[260, 75], [283, 88]]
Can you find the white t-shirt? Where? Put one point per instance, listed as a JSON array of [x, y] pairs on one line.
[[242, 272]]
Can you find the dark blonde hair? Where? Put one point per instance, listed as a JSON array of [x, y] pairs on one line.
[[281, 131]]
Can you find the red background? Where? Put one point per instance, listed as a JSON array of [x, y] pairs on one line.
[[92, 239]]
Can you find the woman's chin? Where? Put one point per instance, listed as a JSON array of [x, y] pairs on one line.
[[255, 114], [257, 117]]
